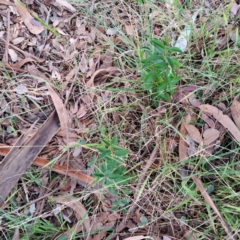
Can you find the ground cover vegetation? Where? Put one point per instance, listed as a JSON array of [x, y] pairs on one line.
[[119, 119]]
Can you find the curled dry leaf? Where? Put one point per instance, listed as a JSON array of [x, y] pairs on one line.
[[79, 210], [19, 64], [27, 18], [235, 110], [210, 135], [77, 206], [60, 108], [223, 119]]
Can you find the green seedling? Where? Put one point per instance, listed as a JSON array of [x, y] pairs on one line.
[[158, 70], [110, 169]]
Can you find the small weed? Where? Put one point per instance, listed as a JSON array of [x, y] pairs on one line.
[[110, 170], [158, 70]]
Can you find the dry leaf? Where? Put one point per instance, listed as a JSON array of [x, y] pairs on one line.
[[235, 110], [166, 238], [60, 108], [82, 111], [191, 150], [21, 89], [79, 210], [19, 64], [210, 135], [35, 22], [182, 151], [138, 237], [61, 32], [7, 3], [234, 9], [130, 30], [209, 200], [208, 120], [193, 131], [16, 235], [111, 31], [13, 55], [18, 40], [223, 119], [66, 5], [27, 18]]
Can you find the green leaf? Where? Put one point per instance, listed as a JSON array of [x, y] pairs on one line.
[[175, 49], [92, 162], [114, 208], [156, 42], [114, 140], [126, 191], [106, 142], [173, 62], [154, 59], [63, 237], [148, 82], [120, 152], [125, 201]]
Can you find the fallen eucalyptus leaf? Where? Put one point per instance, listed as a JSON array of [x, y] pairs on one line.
[[235, 110], [223, 119], [27, 18], [210, 135]]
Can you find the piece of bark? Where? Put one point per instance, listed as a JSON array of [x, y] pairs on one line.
[[21, 157], [45, 163]]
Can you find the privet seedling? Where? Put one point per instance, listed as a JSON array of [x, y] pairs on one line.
[[158, 70]]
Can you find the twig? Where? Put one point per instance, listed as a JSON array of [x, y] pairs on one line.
[[5, 58]]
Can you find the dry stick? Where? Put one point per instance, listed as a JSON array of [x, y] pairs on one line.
[[45, 163], [5, 58], [143, 175]]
